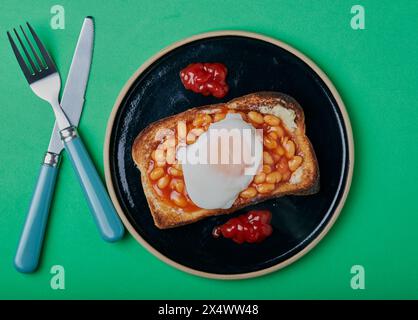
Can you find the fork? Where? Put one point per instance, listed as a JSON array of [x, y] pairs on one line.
[[45, 82]]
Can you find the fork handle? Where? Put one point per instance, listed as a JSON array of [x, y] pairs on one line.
[[104, 213], [30, 244]]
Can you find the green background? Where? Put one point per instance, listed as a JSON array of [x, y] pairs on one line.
[[374, 69]]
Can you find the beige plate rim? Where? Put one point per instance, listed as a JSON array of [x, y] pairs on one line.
[[141, 69]]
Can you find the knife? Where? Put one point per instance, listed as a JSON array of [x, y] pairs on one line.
[[72, 101]]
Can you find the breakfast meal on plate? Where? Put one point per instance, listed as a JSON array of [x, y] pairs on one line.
[[188, 172], [205, 78], [252, 227]]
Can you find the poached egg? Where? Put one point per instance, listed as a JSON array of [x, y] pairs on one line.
[[222, 162]]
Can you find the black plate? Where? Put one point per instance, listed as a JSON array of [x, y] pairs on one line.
[[253, 65]]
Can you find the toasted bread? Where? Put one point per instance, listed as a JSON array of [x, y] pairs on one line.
[[303, 181]]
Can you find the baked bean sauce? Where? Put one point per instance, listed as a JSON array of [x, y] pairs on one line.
[[280, 158]]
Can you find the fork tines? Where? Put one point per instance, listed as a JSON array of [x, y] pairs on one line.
[[33, 70]]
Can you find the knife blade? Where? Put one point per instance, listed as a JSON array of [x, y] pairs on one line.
[[72, 101]]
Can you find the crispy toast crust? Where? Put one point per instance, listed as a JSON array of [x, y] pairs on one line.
[[167, 216]]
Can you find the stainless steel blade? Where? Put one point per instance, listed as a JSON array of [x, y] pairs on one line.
[[72, 100]]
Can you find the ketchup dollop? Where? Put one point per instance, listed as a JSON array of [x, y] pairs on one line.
[[205, 78], [252, 227]]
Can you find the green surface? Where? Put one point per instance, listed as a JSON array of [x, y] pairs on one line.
[[374, 69]]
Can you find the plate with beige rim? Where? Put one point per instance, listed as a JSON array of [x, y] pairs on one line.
[[255, 63]]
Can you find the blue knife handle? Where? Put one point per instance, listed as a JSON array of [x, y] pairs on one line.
[[104, 213], [30, 244]]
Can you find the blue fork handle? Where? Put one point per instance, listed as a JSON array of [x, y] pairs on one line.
[[30, 244], [104, 213]]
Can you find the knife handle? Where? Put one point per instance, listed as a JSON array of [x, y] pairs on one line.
[[104, 213], [30, 243]]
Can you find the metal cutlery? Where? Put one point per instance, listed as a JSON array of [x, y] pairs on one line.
[[44, 80]]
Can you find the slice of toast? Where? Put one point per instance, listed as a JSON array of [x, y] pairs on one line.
[[303, 181]]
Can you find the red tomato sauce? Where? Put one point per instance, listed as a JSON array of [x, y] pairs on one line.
[[205, 78], [252, 227]]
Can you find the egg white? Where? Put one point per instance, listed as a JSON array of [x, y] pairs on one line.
[[217, 184]]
